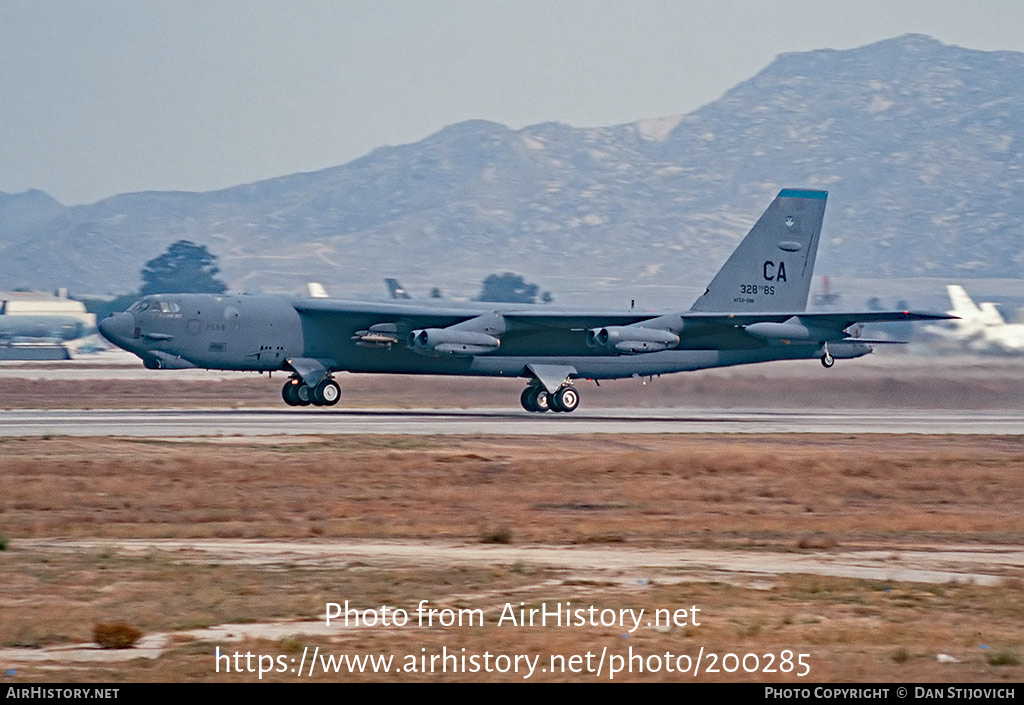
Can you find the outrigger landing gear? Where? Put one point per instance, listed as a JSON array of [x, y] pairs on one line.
[[536, 399], [827, 360], [297, 393]]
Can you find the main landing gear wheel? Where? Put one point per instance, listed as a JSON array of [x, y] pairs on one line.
[[541, 400], [290, 392], [535, 399], [827, 360], [525, 400], [295, 393], [565, 399], [327, 393]]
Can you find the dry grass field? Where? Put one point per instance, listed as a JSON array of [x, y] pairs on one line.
[[75, 516], [768, 490]]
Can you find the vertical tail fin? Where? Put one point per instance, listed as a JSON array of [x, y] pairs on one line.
[[963, 306], [396, 290], [771, 270]]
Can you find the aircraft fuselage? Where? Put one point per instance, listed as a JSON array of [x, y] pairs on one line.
[[264, 332]]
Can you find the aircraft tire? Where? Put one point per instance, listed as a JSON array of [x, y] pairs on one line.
[[827, 360], [327, 393], [540, 400], [289, 392], [566, 399], [553, 403], [526, 399], [303, 395]]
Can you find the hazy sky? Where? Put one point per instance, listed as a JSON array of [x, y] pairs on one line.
[[101, 97]]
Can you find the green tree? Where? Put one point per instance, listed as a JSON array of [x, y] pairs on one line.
[[184, 268], [510, 288]]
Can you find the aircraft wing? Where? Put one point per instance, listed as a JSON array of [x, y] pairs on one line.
[[821, 324], [519, 316], [474, 328], [809, 326], [573, 320], [823, 319], [847, 318], [384, 308]]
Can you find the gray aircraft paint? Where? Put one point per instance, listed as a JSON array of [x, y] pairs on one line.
[[774, 263], [763, 286]]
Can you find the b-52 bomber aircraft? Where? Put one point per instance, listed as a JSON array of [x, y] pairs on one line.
[[752, 311]]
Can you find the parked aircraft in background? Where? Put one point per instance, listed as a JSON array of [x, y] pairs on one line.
[[980, 327], [754, 310], [826, 297], [396, 290], [316, 290], [38, 326]]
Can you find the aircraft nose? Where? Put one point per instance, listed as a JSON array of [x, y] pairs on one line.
[[117, 327]]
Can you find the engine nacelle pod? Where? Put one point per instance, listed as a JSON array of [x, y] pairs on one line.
[[462, 349], [640, 346], [631, 339], [790, 330], [445, 341]]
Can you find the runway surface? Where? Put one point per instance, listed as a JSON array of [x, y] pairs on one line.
[[157, 423]]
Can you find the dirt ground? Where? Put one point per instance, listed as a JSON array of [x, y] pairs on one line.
[[241, 543]]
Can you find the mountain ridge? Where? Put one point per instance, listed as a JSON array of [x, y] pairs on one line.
[[921, 145]]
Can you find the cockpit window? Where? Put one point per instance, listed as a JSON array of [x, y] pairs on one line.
[[155, 306]]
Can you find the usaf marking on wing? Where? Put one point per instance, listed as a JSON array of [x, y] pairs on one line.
[[738, 320]]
